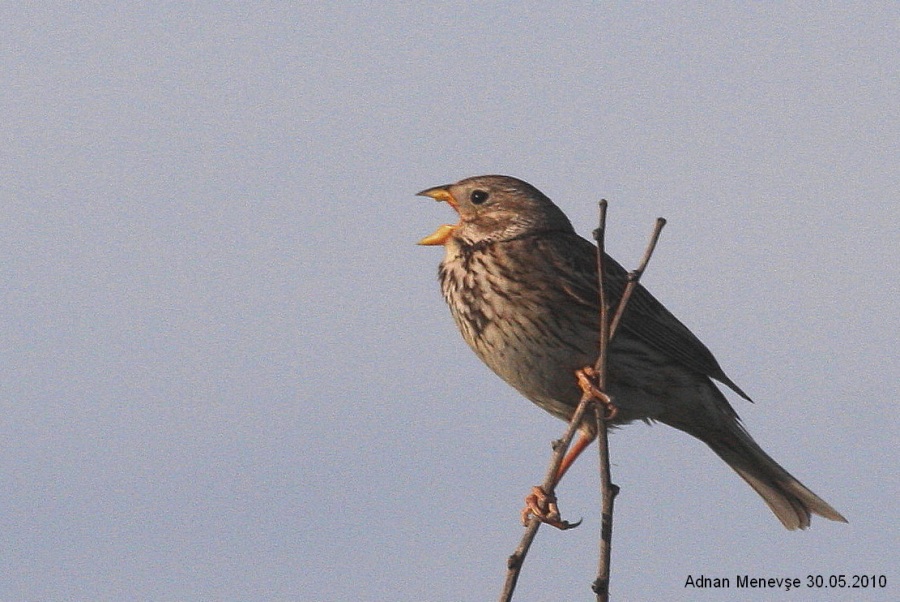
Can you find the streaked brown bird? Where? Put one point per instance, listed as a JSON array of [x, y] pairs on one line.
[[522, 288]]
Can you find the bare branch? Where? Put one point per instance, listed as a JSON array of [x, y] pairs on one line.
[[608, 490], [592, 398], [605, 331], [634, 277], [514, 563]]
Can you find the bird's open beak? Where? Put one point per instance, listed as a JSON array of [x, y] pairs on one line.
[[443, 233]]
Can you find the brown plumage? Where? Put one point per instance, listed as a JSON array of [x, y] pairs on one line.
[[522, 288]]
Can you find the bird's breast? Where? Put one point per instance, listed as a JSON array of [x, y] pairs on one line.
[[510, 316]]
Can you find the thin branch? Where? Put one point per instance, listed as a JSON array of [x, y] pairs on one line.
[[605, 325], [609, 490], [635, 276], [608, 493], [560, 446]]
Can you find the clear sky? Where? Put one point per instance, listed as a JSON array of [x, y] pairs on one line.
[[226, 371]]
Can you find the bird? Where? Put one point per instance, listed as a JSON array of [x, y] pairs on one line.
[[522, 287]]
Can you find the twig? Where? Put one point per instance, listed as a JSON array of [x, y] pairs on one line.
[[560, 446], [635, 276], [609, 490], [605, 325]]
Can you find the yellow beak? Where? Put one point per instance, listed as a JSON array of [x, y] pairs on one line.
[[443, 233], [439, 236]]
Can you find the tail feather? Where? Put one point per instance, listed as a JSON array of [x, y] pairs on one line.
[[791, 501], [787, 497]]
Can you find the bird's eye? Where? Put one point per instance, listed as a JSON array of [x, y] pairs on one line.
[[478, 197]]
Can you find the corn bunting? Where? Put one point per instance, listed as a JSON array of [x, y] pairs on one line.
[[522, 288]]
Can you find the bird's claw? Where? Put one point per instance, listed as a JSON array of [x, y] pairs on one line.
[[542, 506], [587, 376]]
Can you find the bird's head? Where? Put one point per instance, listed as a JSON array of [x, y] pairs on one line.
[[494, 208]]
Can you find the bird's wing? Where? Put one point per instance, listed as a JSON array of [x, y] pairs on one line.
[[645, 317]]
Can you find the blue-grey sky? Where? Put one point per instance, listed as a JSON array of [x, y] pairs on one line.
[[226, 371]]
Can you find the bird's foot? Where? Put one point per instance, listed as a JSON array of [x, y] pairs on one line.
[[587, 379], [542, 506]]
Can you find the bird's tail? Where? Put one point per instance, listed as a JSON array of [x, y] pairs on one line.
[[788, 498]]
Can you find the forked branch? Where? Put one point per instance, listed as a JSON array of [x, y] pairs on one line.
[[609, 490], [603, 408]]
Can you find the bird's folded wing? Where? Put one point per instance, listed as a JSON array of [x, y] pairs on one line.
[[645, 317]]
